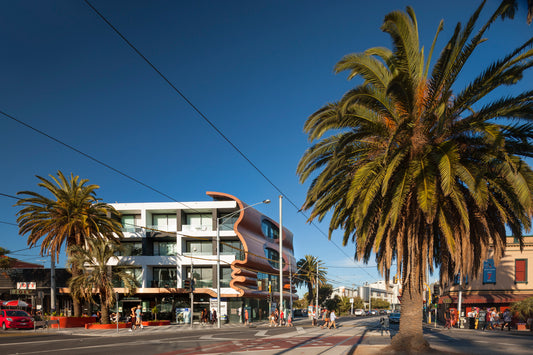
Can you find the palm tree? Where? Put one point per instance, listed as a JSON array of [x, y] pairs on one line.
[[5, 261], [71, 216], [417, 172], [97, 277], [307, 275]]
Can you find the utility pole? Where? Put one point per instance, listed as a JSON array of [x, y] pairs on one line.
[[316, 311], [280, 257], [52, 285], [290, 285]]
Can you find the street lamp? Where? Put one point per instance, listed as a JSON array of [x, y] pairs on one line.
[[219, 221]]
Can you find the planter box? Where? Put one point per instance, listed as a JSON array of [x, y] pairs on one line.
[[521, 326], [107, 326], [72, 322]]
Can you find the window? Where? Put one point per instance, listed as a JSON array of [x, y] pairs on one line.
[[203, 276], [199, 247], [269, 229], [164, 222], [227, 221], [520, 270], [200, 221], [131, 223], [130, 249], [225, 276], [232, 247], [263, 280], [273, 258], [164, 277], [165, 248], [135, 272]]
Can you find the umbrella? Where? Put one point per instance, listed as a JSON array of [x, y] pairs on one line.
[[15, 303]]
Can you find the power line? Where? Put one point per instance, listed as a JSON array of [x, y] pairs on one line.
[[209, 122]]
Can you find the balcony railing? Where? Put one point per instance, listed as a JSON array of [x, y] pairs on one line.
[[195, 228], [164, 228], [164, 283]]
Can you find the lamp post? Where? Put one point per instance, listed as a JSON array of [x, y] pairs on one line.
[[280, 260], [219, 221]]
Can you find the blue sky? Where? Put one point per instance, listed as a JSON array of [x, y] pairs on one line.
[[256, 69]]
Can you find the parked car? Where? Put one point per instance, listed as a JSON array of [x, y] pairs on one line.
[[15, 318], [394, 317], [359, 312], [382, 312], [374, 312]]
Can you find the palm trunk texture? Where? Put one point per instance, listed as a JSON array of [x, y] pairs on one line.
[[410, 338]]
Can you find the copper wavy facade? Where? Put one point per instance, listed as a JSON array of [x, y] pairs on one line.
[[248, 228]]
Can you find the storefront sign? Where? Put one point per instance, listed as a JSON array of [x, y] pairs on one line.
[[22, 292], [489, 272]]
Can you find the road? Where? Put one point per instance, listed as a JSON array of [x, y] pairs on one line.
[[354, 336]]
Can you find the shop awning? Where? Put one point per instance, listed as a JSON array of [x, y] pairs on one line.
[[485, 298]]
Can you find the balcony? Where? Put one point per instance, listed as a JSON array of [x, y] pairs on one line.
[[163, 228], [163, 283], [195, 228]]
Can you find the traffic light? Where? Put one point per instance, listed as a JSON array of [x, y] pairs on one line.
[[436, 289], [187, 284], [269, 298]]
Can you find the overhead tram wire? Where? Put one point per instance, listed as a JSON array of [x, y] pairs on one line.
[[208, 121]]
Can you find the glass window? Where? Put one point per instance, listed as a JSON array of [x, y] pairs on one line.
[[164, 277], [135, 272], [200, 220], [199, 247], [225, 273], [272, 257], [264, 280], [227, 221], [164, 222], [520, 268], [165, 248], [130, 249], [270, 230], [203, 276], [232, 247], [131, 223]]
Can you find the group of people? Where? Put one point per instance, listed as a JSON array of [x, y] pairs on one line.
[[278, 319], [329, 318], [136, 314], [485, 319], [208, 317]]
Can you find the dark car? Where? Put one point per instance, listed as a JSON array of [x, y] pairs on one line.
[[394, 317], [15, 318]]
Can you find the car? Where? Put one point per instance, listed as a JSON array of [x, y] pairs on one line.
[[394, 317], [382, 312], [359, 312], [374, 312], [15, 318]]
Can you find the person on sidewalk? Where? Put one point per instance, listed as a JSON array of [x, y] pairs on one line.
[[138, 317], [507, 319], [448, 318], [272, 319], [332, 318], [289, 320], [384, 322], [246, 316]]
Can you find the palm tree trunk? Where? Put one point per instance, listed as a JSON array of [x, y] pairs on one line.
[[410, 337], [76, 304], [105, 314]]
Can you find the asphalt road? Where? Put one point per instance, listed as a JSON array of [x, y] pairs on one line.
[[353, 336]]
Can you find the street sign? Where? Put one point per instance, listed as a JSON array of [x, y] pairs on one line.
[[351, 300]]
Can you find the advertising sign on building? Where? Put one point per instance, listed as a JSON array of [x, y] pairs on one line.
[[32, 285], [22, 286], [489, 272]]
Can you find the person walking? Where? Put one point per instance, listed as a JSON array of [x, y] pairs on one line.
[[384, 322], [482, 324], [133, 319], [289, 320], [332, 318], [138, 317], [272, 319], [507, 319], [246, 316], [325, 317], [448, 318]]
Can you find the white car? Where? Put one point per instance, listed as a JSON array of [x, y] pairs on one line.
[[359, 312]]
